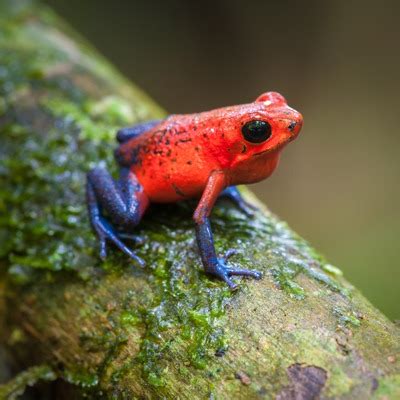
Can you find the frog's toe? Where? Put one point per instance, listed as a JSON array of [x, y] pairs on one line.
[[223, 272], [244, 272], [232, 286], [122, 246], [134, 238], [228, 254], [237, 271], [106, 232], [103, 248], [247, 208]]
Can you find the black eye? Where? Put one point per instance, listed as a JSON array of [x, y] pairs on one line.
[[256, 131]]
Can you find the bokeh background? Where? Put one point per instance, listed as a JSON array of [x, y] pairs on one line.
[[337, 61]]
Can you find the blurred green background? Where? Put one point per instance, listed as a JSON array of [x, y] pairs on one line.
[[338, 62]]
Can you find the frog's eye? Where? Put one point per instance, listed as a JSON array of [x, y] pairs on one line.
[[256, 131]]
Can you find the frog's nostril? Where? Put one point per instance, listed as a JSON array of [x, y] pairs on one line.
[[292, 125]]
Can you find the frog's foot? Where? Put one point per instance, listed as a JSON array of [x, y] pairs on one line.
[[120, 200], [221, 270], [232, 193], [105, 232]]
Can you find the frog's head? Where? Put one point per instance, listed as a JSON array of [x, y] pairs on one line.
[[259, 131], [269, 125]]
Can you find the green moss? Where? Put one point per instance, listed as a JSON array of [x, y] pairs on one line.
[[183, 312], [17, 386], [155, 379], [112, 110], [331, 269], [129, 319], [346, 316], [81, 378], [39, 235], [290, 256], [91, 126], [388, 388]]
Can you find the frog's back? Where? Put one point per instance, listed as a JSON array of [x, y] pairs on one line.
[[169, 160]]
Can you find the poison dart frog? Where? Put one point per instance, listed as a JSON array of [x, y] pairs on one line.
[[203, 155]]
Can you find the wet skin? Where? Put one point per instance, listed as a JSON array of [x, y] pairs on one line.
[[201, 155]]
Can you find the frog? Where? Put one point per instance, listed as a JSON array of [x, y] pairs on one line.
[[202, 156]]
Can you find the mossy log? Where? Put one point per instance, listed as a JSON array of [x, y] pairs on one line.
[[113, 330]]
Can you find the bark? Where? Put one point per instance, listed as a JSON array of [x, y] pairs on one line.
[[112, 330]]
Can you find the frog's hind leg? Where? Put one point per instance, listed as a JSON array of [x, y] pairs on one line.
[[124, 202], [125, 134], [232, 193]]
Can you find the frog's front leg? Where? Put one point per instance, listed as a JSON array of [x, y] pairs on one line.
[[213, 265], [232, 193], [124, 202]]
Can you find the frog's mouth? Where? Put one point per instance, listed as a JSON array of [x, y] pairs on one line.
[[277, 147], [261, 152], [274, 149]]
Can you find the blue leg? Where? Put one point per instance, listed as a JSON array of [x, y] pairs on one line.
[[213, 265], [124, 202], [217, 266], [233, 194], [125, 134]]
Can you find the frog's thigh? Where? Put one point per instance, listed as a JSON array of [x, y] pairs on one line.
[[125, 134], [123, 200]]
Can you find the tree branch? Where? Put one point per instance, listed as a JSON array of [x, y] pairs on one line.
[[167, 331]]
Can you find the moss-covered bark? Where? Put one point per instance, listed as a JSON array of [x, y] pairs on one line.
[[168, 331]]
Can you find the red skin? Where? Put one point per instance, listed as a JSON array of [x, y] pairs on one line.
[[176, 158]]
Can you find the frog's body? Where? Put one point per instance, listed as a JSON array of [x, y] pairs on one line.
[[192, 156]]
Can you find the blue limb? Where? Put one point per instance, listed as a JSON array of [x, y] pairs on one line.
[[120, 201], [125, 134], [213, 265], [232, 193], [217, 266]]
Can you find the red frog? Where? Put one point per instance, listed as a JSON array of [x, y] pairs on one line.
[[203, 155]]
